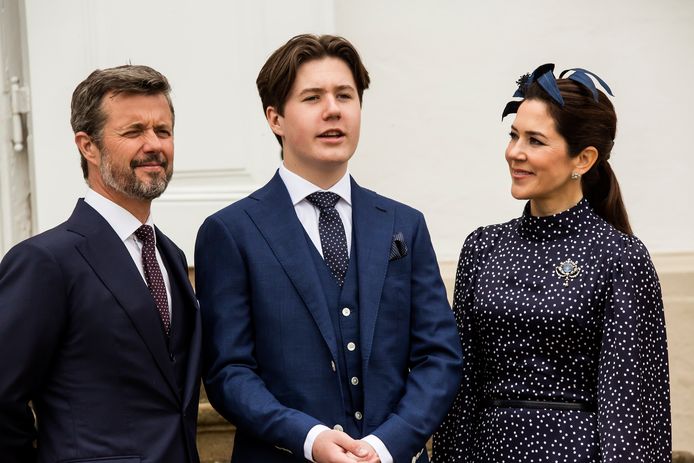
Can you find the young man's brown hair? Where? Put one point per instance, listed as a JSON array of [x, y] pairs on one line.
[[277, 76]]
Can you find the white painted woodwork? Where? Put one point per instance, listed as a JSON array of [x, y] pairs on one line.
[[15, 184]]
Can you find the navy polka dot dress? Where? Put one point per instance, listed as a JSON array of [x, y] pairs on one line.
[[560, 309]]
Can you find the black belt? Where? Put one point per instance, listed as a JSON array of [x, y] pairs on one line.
[[541, 404]]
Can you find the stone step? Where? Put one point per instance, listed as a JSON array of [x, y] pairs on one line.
[[215, 435]]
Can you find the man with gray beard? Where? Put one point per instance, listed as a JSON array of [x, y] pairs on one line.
[[99, 326]]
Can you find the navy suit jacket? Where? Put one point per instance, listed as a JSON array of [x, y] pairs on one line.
[[81, 338], [270, 349]]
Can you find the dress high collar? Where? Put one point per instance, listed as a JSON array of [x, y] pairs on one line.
[[552, 227]]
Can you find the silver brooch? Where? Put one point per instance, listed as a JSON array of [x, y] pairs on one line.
[[568, 269]]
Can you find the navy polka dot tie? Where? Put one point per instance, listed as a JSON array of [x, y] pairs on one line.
[[332, 233], [155, 280]]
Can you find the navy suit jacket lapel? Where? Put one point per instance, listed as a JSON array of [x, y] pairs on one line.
[[178, 274], [106, 254], [373, 223], [276, 220]]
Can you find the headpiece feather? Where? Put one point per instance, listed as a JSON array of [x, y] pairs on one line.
[[544, 76]]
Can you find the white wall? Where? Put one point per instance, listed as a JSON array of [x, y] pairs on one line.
[[211, 52], [432, 136], [442, 72]]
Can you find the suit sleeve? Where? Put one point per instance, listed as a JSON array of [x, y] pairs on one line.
[[453, 440], [435, 357], [32, 305], [633, 385], [230, 371]]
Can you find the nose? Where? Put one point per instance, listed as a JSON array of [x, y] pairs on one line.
[[152, 142], [332, 108], [515, 151]]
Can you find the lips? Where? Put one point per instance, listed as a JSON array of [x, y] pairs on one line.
[[152, 160], [150, 166], [519, 173], [332, 134]]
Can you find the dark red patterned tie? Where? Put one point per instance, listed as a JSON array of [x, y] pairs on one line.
[[155, 280]]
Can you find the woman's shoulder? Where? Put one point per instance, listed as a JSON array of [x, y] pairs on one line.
[[624, 252], [486, 236], [620, 244]]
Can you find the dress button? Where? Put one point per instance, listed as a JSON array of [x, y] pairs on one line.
[[346, 311], [337, 427], [358, 415], [354, 380], [332, 365], [351, 346]]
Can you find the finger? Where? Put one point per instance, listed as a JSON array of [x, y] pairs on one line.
[[357, 449], [340, 456], [370, 458], [332, 446]]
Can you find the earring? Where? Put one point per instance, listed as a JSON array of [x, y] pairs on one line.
[[575, 175]]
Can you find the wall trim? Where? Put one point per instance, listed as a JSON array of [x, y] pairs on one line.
[[225, 185], [675, 271], [674, 262], [665, 262]]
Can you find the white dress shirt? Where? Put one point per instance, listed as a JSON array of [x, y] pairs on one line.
[[299, 188], [308, 214], [125, 224]]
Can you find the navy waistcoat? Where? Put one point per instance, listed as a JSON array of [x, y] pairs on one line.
[[343, 304]]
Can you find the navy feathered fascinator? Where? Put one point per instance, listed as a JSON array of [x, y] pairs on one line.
[[544, 76]]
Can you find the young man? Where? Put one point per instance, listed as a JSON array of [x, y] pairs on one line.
[[322, 302], [99, 326]]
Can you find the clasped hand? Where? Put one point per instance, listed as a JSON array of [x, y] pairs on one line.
[[333, 446]]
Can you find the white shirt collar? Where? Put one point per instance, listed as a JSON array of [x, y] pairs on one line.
[[298, 187], [122, 221]]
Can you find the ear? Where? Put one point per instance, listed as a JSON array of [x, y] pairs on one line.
[[88, 148], [585, 159], [274, 120]]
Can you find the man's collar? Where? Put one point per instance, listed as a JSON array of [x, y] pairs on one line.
[[120, 219], [298, 187]]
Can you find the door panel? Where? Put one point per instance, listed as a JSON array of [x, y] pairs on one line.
[[15, 186]]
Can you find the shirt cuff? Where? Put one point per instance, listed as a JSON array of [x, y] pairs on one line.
[[310, 438], [380, 448]]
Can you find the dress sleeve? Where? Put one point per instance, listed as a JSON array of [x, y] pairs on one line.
[[453, 441], [633, 384]]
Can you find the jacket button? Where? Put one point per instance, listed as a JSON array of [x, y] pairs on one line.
[[358, 415], [354, 380], [346, 311], [351, 346], [332, 365], [337, 427]]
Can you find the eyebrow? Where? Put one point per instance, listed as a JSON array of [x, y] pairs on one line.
[[141, 126], [532, 133], [133, 125], [339, 88]]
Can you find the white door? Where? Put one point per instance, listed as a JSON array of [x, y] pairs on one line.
[[211, 52], [15, 185]]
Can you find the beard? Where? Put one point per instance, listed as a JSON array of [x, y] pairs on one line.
[[125, 179]]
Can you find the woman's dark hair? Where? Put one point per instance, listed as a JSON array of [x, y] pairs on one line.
[[583, 122]]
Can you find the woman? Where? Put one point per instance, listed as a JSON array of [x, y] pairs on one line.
[[560, 311]]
